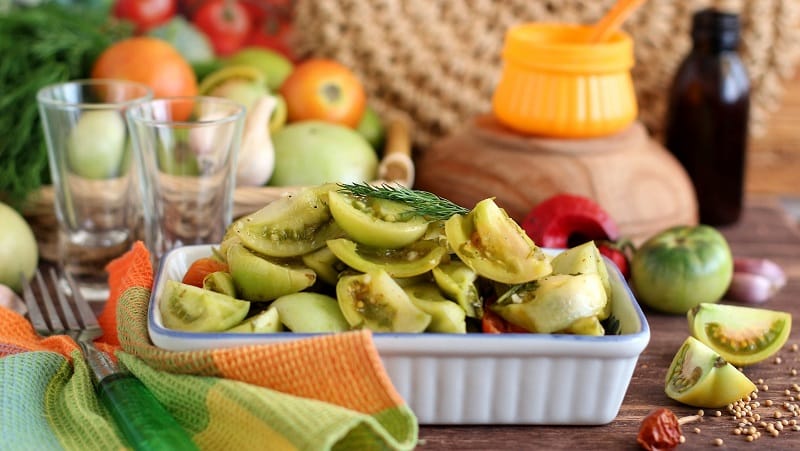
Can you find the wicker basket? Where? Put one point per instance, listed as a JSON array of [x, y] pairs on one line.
[[439, 61], [396, 167]]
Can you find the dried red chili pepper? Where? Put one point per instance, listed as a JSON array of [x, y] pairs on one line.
[[660, 431]]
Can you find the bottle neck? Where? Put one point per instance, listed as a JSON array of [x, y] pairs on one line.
[[714, 31]]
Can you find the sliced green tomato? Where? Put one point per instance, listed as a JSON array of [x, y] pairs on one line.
[[265, 322], [584, 259], [586, 326], [291, 226], [700, 377], [554, 302], [258, 279], [741, 335], [310, 313], [446, 316], [412, 260], [191, 308], [220, 282], [495, 246], [325, 263], [375, 301], [457, 281], [376, 222]]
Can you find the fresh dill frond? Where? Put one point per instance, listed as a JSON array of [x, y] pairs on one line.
[[422, 203]]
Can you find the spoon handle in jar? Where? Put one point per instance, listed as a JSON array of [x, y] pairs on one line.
[[613, 19]]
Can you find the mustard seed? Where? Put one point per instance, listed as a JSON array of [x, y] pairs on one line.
[[765, 387], [778, 360], [696, 430], [749, 438], [682, 440], [794, 347], [718, 442], [768, 403], [760, 381], [717, 413]]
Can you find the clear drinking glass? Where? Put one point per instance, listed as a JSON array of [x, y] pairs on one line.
[[88, 150], [187, 150]]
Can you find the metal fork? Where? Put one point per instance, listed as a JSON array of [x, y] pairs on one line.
[[141, 419]]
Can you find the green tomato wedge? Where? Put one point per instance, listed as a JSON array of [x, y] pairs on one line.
[[553, 303], [446, 316], [291, 226], [457, 282], [494, 246], [310, 313], [376, 222], [191, 308], [265, 322], [412, 260], [741, 335], [258, 279], [375, 301], [700, 377], [584, 259]]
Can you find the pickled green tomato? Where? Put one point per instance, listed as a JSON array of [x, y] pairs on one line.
[[96, 145], [413, 260], [190, 308], [291, 226], [376, 222], [494, 246], [259, 279], [375, 301]]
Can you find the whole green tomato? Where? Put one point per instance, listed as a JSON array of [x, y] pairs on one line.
[[682, 267]]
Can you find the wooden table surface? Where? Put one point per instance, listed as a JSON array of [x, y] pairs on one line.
[[764, 231]]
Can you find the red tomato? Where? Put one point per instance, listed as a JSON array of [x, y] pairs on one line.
[[272, 34], [145, 14], [226, 23], [325, 90], [492, 323], [200, 268]]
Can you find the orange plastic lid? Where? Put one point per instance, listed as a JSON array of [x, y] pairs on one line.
[[564, 47]]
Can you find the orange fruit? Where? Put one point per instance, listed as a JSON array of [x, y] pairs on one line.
[[151, 61]]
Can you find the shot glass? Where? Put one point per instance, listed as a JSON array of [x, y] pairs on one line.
[[187, 149], [89, 155]]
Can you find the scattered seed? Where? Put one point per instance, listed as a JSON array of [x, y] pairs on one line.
[[682, 439], [696, 430], [718, 442], [737, 431], [778, 360], [793, 372], [777, 414], [700, 413], [749, 438], [717, 413], [765, 387], [768, 403], [794, 347], [760, 381]]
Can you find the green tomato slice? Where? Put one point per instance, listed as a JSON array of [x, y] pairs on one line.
[[194, 309], [493, 245], [259, 279], [264, 322], [413, 260], [376, 222], [291, 226], [310, 313], [553, 303], [457, 281], [584, 259], [741, 335], [446, 316], [700, 377], [375, 301]]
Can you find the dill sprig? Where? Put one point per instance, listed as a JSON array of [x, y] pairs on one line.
[[41, 45], [422, 203]]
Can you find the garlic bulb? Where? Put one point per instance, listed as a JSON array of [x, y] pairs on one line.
[[256, 154]]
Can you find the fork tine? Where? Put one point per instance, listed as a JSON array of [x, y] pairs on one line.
[[69, 316], [34, 313], [85, 311], [49, 307]]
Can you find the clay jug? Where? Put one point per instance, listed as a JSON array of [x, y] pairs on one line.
[[639, 183]]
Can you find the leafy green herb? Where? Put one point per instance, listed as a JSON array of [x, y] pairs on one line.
[[422, 203], [41, 45]]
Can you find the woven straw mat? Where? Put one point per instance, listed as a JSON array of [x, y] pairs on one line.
[[438, 61]]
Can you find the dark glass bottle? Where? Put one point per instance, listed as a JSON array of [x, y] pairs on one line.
[[707, 120]]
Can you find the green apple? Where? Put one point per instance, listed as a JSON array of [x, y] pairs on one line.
[[317, 152], [273, 65], [681, 268], [96, 145]]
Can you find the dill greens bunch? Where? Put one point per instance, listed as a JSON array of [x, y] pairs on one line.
[[423, 203], [41, 45]]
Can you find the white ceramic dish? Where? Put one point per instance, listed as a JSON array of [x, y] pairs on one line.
[[474, 378]]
